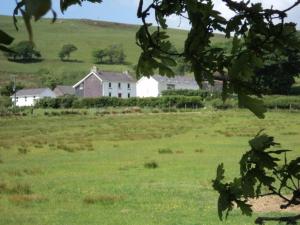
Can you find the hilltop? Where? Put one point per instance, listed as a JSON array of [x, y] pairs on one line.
[[87, 35]]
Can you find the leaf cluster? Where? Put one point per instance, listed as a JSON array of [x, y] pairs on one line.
[[254, 33], [262, 172], [23, 51]]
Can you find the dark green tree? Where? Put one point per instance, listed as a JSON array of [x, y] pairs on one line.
[[66, 50], [8, 89], [279, 72], [23, 51], [99, 56], [114, 54]]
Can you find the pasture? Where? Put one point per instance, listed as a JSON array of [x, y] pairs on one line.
[[133, 169]]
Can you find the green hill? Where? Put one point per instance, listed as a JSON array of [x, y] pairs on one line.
[[87, 35]]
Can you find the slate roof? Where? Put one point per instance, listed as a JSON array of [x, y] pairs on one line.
[[108, 76], [31, 92], [176, 79], [115, 77], [64, 90]]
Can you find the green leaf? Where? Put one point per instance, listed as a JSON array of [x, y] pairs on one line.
[[5, 49], [253, 104], [37, 8], [5, 38], [245, 208], [64, 4]]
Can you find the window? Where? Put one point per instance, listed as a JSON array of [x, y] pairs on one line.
[[33, 97], [170, 86], [119, 95], [128, 86], [81, 86], [17, 99], [25, 99], [119, 85], [109, 94], [128, 95], [109, 85]]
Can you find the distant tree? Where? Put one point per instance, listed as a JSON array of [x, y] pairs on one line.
[[66, 50], [50, 81], [114, 54], [23, 51], [279, 73], [99, 56], [7, 90]]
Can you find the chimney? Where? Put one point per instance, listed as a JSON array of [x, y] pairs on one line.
[[94, 69]]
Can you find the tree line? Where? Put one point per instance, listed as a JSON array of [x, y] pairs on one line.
[[25, 51]]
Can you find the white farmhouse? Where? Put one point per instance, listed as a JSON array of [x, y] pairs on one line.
[[28, 97], [110, 84], [153, 86]]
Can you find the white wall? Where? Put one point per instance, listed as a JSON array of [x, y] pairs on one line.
[[115, 90], [147, 87], [31, 100], [25, 100]]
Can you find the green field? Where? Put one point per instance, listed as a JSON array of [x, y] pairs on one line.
[[90, 169], [86, 35]]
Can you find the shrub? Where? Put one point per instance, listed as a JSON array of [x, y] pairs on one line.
[[151, 165], [282, 102], [228, 104], [136, 103], [20, 189], [23, 150], [104, 199], [27, 198], [165, 151], [185, 92]]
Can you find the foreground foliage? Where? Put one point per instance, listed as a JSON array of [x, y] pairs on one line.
[[263, 171]]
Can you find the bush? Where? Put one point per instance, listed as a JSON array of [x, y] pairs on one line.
[[151, 165], [282, 102], [162, 102], [165, 151], [228, 104], [5, 102]]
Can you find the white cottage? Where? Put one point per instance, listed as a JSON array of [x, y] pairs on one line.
[[153, 86], [28, 97], [110, 84]]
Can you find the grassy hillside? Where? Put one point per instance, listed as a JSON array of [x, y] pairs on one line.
[[86, 35]]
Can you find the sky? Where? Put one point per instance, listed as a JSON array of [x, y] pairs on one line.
[[124, 11]]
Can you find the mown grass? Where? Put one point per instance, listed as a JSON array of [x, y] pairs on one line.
[[110, 184]]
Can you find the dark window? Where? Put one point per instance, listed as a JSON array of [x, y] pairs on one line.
[[109, 85], [25, 99], [120, 95], [109, 94], [128, 95], [128, 86], [119, 85], [81, 86], [33, 97], [170, 86]]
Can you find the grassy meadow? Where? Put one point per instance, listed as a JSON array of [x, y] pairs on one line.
[[133, 169], [86, 35]]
